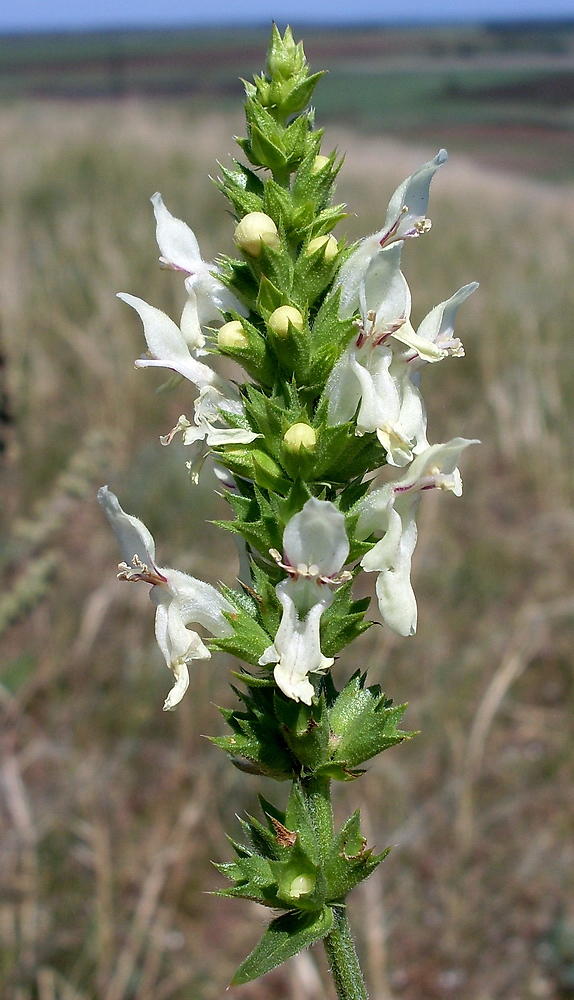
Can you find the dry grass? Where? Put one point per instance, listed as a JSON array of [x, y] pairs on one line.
[[111, 811]]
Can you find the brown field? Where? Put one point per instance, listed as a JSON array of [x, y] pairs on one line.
[[111, 811]]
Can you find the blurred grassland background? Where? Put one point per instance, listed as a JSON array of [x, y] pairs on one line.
[[112, 811]]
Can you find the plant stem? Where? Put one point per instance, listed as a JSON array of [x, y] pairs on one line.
[[339, 944], [317, 792], [343, 959]]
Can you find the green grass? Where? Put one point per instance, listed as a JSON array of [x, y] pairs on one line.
[[112, 811]]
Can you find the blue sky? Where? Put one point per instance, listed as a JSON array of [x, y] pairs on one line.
[[40, 15]]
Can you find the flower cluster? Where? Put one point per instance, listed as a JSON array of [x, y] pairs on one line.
[[373, 386]]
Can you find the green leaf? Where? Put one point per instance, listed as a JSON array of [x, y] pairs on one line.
[[286, 936]]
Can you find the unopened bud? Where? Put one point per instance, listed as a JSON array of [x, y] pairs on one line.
[[302, 885], [319, 162], [300, 436], [279, 320], [330, 244], [232, 335], [254, 229]]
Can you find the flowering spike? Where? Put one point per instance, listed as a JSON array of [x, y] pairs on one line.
[[330, 395]]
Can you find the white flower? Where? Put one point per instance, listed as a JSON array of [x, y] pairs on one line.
[[315, 549], [434, 339], [377, 374], [406, 217], [373, 373], [180, 251], [392, 509], [180, 599], [172, 346], [210, 407]]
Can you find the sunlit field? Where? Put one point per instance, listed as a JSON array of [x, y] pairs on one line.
[[112, 811]]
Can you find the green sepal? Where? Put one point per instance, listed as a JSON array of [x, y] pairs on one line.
[[292, 351], [239, 277], [299, 97], [300, 883], [277, 203], [330, 336], [258, 523], [285, 937], [363, 723], [313, 274], [239, 191], [255, 357], [249, 639], [253, 879], [343, 621], [270, 609], [314, 188], [255, 736], [270, 297], [326, 220], [265, 152], [262, 838], [277, 267], [305, 729], [350, 861], [251, 680]]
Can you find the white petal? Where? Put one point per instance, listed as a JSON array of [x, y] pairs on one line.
[[397, 601], [412, 194], [438, 326], [213, 297], [413, 417], [352, 274], [163, 336], [391, 558], [375, 510], [181, 674], [386, 289], [177, 643], [190, 325], [343, 390], [133, 537], [439, 459], [176, 241], [197, 601], [317, 536], [380, 400], [218, 436], [167, 344], [297, 648]]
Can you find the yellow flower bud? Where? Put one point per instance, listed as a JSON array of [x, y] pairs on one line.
[[318, 163], [301, 885], [300, 436], [279, 320], [330, 244], [232, 335], [256, 228]]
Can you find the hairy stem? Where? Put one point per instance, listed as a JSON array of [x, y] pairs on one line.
[[343, 960], [339, 945], [317, 792]]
